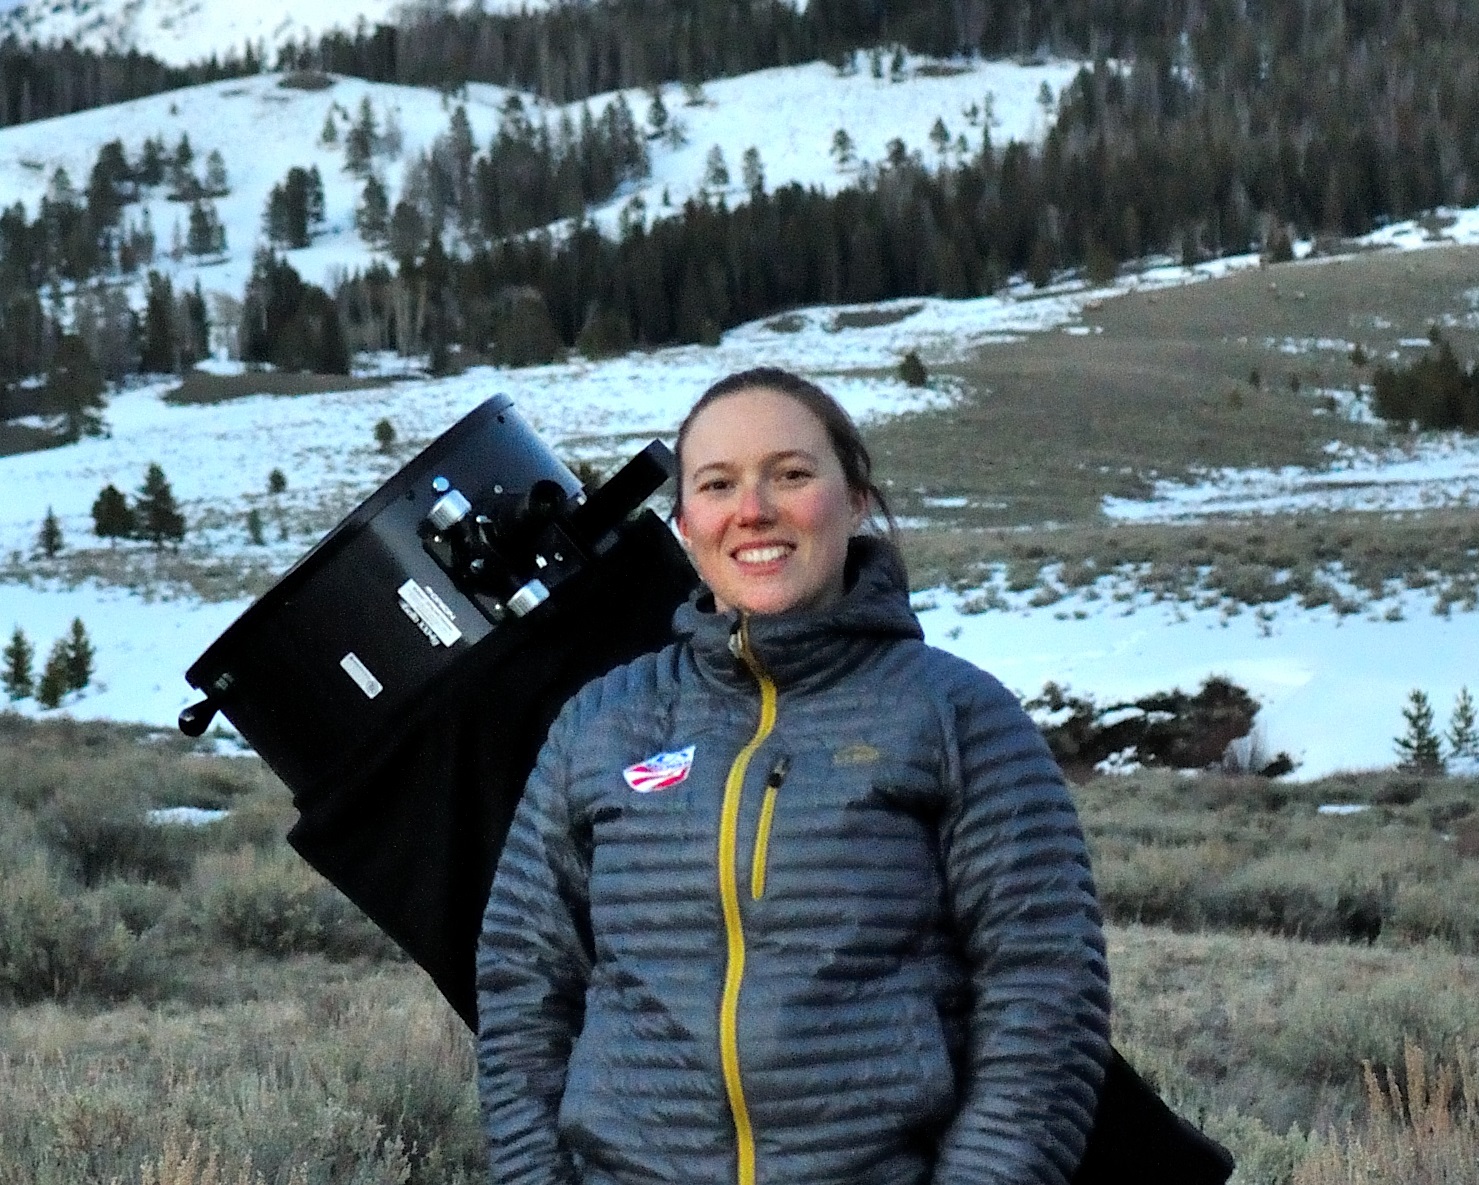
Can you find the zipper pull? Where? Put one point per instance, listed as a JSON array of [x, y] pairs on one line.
[[773, 781], [778, 772]]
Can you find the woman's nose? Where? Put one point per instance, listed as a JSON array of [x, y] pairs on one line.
[[755, 505]]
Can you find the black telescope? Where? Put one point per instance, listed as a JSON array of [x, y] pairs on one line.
[[401, 677]]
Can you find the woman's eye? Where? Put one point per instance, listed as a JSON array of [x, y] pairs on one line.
[[793, 476], [713, 485]]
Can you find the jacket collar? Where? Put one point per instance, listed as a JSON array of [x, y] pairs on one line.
[[808, 647]]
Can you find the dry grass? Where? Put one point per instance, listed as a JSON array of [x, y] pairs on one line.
[[1275, 1031], [1422, 1127], [338, 1078], [1339, 559], [1246, 854], [198, 386], [1055, 422]]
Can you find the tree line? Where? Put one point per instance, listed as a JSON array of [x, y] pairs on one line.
[[1235, 127], [44, 81]]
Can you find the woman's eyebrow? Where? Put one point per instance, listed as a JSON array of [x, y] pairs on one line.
[[788, 454]]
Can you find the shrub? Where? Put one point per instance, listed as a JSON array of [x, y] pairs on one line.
[[384, 435], [1434, 392], [912, 370], [99, 824], [276, 904], [55, 946]]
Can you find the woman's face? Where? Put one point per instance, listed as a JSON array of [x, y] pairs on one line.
[[767, 512]]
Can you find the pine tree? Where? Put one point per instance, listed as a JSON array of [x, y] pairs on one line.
[[384, 435], [1418, 749], [842, 149], [940, 138], [1463, 729], [372, 215], [52, 685], [17, 677], [912, 370], [217, 184], [657, 114], [80, 654], [716, 172], [74, 387], [49, 537], [160, 353], [360, 140], [753, 173], [254, 527], [330, 132], [205, 236], [159, 517], [314, 198], [277, 482], [112, 516], [182, 175]]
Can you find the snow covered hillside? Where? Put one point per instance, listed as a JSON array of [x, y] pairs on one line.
[[180, 32], [261, 129], [1332, 686]]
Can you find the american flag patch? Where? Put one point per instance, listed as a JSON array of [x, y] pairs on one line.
[[659, 772]]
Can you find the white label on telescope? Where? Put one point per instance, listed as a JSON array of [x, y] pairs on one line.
[[360, 673], [429, 610]]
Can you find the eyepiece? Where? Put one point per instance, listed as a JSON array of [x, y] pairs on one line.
[[448, 510]]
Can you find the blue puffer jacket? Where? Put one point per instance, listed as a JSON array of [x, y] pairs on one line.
[[798, 900]]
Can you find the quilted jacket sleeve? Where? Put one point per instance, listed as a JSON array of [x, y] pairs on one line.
[[1017, 876], [533, 962]]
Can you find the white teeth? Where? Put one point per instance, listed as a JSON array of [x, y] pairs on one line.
[[760, 555]]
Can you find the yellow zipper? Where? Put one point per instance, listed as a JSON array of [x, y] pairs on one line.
[[773, 782], [734, 971]]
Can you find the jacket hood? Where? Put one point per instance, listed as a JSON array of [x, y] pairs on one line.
[[808, 646]]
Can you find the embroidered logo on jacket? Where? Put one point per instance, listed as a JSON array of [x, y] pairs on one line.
[[856, 755], [659, 772]]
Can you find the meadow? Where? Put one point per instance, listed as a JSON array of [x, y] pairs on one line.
[[187, 1005]]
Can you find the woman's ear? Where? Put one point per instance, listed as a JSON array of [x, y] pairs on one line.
[[859, 499], [682, 532]]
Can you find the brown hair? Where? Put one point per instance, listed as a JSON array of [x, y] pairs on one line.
[[842, 433]]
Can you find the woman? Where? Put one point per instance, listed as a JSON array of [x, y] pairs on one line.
[[799, 899]]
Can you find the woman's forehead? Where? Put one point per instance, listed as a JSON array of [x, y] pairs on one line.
[[751, 424]]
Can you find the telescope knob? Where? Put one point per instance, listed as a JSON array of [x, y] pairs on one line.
[[195, 719]]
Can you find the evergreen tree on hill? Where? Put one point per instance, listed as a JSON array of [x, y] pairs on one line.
[[160, 353], [49, 537], [16, 676], [74, 388], [159, 518], [112, 517], [52, 685], [290, 324], [79, 656], [372, 216]]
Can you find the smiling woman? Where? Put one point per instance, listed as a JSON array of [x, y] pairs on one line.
[[765, 510], [799, 897]]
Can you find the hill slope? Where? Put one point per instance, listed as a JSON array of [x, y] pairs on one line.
[[262, 128]]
